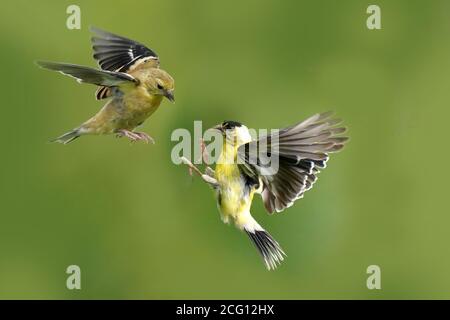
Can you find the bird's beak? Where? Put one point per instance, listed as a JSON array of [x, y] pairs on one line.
[[169, 95]]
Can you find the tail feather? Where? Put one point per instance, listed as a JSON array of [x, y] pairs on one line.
[[68, 137], [267, 246]]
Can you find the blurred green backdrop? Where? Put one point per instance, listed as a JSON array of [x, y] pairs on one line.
[[140, 227]]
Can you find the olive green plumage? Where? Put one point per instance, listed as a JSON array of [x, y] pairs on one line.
[[130, 77]]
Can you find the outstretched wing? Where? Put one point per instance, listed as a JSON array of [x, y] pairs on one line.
[[89, 75], [301, 150], [117, 53]]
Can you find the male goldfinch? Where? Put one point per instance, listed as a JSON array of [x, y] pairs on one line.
[[242, 170], [130, 76]]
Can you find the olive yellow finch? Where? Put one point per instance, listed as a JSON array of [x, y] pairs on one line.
[[302, 151], [130, 76]]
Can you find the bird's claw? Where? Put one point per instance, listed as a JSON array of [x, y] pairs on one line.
[[191, 167], [135, 136], [185, 161], [204, 154], [205, 176], [145, 137], [128, 134]]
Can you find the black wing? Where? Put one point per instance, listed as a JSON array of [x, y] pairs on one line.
[[302, 151], [117, 53]]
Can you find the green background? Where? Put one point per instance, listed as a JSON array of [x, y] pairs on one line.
[[140, 227]]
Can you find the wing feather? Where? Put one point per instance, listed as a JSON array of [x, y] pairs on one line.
[[117, 53], [87, 74], [302, 151]]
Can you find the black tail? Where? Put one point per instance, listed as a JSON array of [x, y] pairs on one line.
[[268, 247], [67, 137]]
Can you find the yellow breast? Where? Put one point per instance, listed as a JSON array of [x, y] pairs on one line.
[[234, 198], [138, 106]]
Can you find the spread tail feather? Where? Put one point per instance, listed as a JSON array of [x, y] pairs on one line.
[[68, 137], [267, 246]]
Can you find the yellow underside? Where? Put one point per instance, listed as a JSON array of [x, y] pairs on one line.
[[127, 113], [234, 203]]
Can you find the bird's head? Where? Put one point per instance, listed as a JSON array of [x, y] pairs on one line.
[[234, 132], [162, 84]]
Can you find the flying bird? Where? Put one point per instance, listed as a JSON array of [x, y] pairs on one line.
[[129, 77], [242, 170]]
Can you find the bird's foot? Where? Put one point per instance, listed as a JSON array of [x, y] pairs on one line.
[[191, 166], [204, 155], [135, 136], [128, 134], [145, 137], [207, 176]]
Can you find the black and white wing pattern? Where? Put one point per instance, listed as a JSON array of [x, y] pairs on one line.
[[302, 151], [117, 53]]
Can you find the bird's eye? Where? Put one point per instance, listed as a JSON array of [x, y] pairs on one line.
[[160, 87]]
